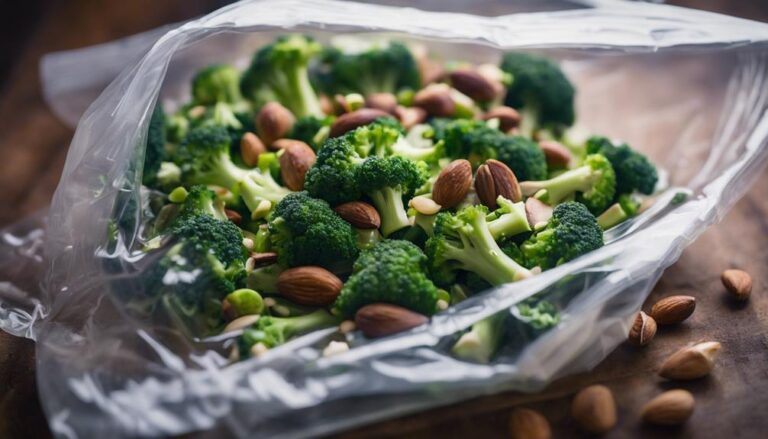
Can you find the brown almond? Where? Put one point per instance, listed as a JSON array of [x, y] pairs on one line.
[[359, 214], [528, 424], [643, 330], [250, 149], [690, 363], [283, 143], [382, 319], [537, 212], [357, 118], [494, 179], [453, 183], [326, 105], [263, 258], [672, 407], [484, 187], [340, 105], [381, 101], [410, 116], [295, 161], [673, 309], [557, 155], [738, 283], [594, 409], [436, 100], [474, 85], [274, 121], [233, 216], [310, 285], [508, 117]]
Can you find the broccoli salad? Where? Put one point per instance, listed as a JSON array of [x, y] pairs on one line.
[[367, 186]]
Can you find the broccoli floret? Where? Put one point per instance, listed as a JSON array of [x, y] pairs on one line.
[[202, 201], [593, 184], [279, 72], [311, 130], [155, 152], [571, 232], [619, 212], [509, 219], [634, 172], [274, 331], [206, 233], [392, 271], [264, 279], [463, 241], [216, 83], [541, 90], [333, 177], [306, 231], [523, 156], [385, 137], [383, 67]]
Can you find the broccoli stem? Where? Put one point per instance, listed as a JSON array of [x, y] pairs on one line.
[[389, 203], [561, 187], [301, 98], [257, 186], [481, 342], [509, 224], [292, 326], [613, 216]]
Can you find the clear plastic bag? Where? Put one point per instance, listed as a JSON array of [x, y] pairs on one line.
[[688, 88]]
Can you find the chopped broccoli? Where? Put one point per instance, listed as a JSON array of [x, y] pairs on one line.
[[274, 331], [523, 156], [480, 343], [216, 83], [392, 271], [155, 152], [311, 130], [634, 172], [385, 137], [508, 220], [333, 177], [619, 212]]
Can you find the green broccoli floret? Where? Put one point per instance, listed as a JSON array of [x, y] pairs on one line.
[[541, 90], [274, 331], [571, 232], [306, 231], [216, 83], [392, 271], [619, 212], [383, 67], [202, 201], [155, 152], [386, 137], [509, 219], [463, 241], [634, 172], [523, 156], [333, 177], [279, 72], [311, 130], [593, 184]]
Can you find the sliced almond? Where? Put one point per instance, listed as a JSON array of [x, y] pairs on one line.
[[359, 214], [274, 121], [295, 161], [382, 319], [250, 149], [309, 285], [738, 283], [528, 424], [263, 258], [537, 212], [690, 362], [670, 408], [453, 183], [643, 330], [475, 85], [410, 116], [233, 216], [594, 409], [357, 118], [673, 310], [508, 117], [424, 205], [557, 155], [241, 322], [381, 101], [436, 100]]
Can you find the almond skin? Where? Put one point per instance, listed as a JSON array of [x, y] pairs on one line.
[[250, 149], [509, 118], [453, 183], [359, 214], [670, 408], [594, 409], [557, 155], [528, 424], [673, 309], [284, 143], [643, 330], [264, 258], [382, 319], [381, 101], [494, 179], [350, 121], [295, 161], [474, 85], [738, 283], [690, 363], [233, 216], [537, 212], [274, 121], [309, 285], [436, 100]]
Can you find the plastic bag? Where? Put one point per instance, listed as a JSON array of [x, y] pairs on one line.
[[689, 88]]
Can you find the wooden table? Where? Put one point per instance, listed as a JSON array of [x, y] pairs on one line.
[[733, 402]]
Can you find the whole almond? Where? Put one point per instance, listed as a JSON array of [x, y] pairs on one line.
[[453, 183], [410, 116], [494, 179], [295, 161], [690, 363], [284, 143], [274, 121], [381, 101], [594, 409], [673, 309], [474, 85], [537, 212], [309, 285], [643, 330], [382, 319], [263, 258], [738, 283], [508, 117], [357, 118], [250, 149], [672, 407], [436, 100], [359, 214], [528, 424], [557, 155]]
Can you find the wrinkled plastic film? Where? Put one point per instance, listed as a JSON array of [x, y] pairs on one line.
[[104, 372]]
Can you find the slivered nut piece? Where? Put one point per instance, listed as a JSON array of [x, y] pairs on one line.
[[643, 330], [494, 179], [508, 117], [233, 216], [673, 309], [594, 409], [295, 161], [557, 155], [382, 319], [453, 183], [250, 149], [309, 285], [738, 283], [358, 118], [528, 424], [262, 259], [274, 121], [691, 362], [424, 205], [241, 322], [359, 214], [537, 212], [670, 408]]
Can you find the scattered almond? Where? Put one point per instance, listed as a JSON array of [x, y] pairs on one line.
[[453, 183], [309, 285], [262, 259], [673, 309], [594, 409], [557, 155], [358, 118], [359, 214], [295, 161], [436, 100], [508, 117], [241, 323], [284, 143], [424, 205], [643, 330], [381, 101], [410, 116], [274, 121], [233, 216], [691, 362], [537, 212], [475, 85], [738, 283], [250, 149], [528, 424], [494, 179], [382, 319], [672, 407]]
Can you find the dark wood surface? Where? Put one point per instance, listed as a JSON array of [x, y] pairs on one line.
[[733, 402]]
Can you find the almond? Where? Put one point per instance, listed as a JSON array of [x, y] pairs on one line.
[[263, 258], [358, 118], [670, 408], [359, 214], [295, 161], [250, 149], [557, 155], [494, 179], [453, 183], [409, 117], [233, 216], [643, 330], [738, 283], [537, 212], [690, 363], [326, 105], [424, 205], [436, 100], [594, 409], [274, 121], [283, 143], [382, 319], [241, 322], [528, 424], [310, 285], [508, 117], [673, 309], [474, 85], [340, 105], [381, 101]]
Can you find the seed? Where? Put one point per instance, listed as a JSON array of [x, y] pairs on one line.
[[643, 330], [738, 283], [594, 409], [424, 205], [670, 408]]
